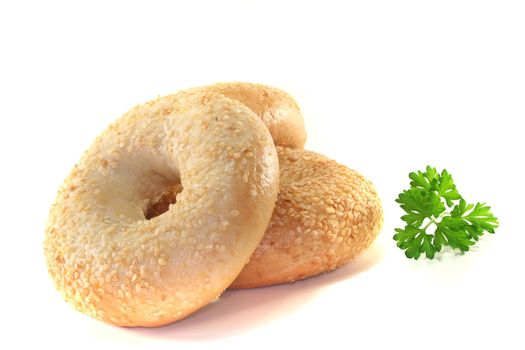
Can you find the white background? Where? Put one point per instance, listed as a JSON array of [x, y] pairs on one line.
[[386, 87]]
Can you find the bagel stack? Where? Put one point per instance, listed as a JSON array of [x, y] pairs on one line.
[[195, 192]]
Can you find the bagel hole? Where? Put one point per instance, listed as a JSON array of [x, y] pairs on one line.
[[161, 204]]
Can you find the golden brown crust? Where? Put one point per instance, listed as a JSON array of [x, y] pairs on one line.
[[112, 263], [278, 110], [325, 215]]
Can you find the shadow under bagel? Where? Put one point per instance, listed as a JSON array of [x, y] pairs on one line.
[[238, 311]]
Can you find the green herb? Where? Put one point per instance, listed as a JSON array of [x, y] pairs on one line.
[[432, 201]]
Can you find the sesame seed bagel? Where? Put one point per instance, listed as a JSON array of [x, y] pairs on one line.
[[278, 110], [114, 261], [325, 215]]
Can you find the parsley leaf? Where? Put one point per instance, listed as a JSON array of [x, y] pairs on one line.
[[433, 200]]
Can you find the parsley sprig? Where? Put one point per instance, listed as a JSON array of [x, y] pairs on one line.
[[432, 201]]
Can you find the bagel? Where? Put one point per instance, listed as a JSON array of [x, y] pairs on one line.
[[325, 215], [278, 110], [113, 260]]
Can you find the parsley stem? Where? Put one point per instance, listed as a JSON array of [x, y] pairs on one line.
[[429, 223]]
